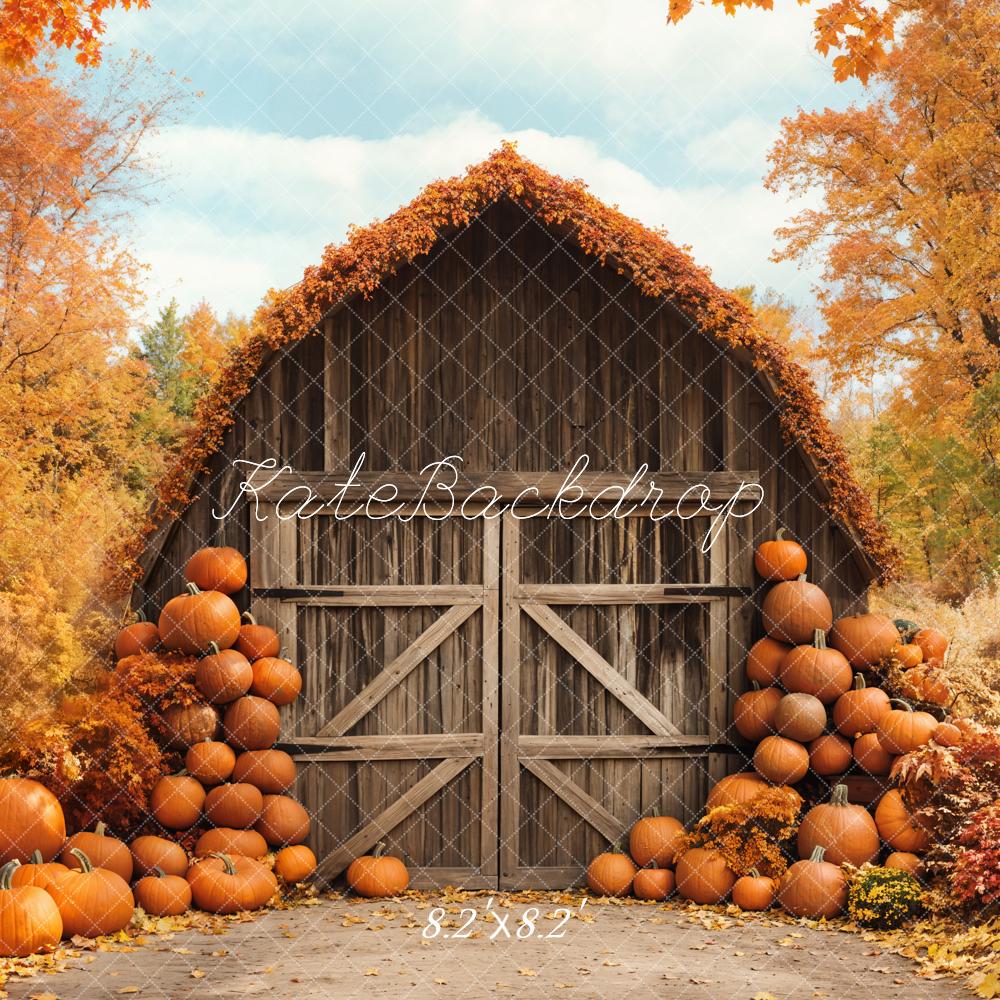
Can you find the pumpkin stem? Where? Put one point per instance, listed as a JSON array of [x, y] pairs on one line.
[[754, 686], [819, 638], [859, 682], [139, 616], [213, 648], [100, 829], [159, 872], [753, 873], [817, 854], [779, 535], [36, 857], [801, 578], [7, 871], [249, 617], [85, 865], [192, 589], [379, 849], [839, 796], [227, 862], [907, 707]]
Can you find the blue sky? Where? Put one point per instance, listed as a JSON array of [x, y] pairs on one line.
[[314, 116]]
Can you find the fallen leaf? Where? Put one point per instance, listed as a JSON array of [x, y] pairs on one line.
[[371, 972], [526, 972]]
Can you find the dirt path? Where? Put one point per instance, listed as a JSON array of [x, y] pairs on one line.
[[349, 949]]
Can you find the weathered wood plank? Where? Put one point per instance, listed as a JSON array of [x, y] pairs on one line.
[[411, 746], [595, 747]]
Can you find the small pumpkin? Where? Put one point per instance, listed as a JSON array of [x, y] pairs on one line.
[[755, 892], [860, 710], [190, 622], [897, 826], [223, 840], [163, 895], [251, 723], [276, 680], [31, 818], [103, 851], [947, 734], [909, 655], [378, 875], [36, 872], [780, 559], [781, 761], [753, 712], [272, 771], [814, 888], [222, 883], [794, 610], [764, 660], [735, 789], [176, 801], [236, 805], [927, 684], [223, 676], [904, 861], [139, 637], [150, 853], [210, 761], [871, 756], [294, 864], [703, 876], [932, 643], [653, 883], [655, 840], [846, 832], [901, 730], [830, 755], [816, 670], [91, 901], [257, 641], [282, 821], [29, 919], [186, 725], [864, 639], [223, 569], [800, 717]]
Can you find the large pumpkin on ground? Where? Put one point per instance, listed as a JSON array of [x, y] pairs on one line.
[[163, 895], [91, 901], [794, 610], [781, 761], [814, 888], [846, 832], [764, 660], [703, 876], [150, 853], [378, 875], [653, 883], [191, 622], [864, 639], [860, 710], [294, 864], [780, 559], [101, 850], [30, 819], [755, 892], [223, 569], [282, 821], [897, 826], [223, 676], [272, 771], [655, 840], [800, 717], [814, 669], [229, 884], [251, 723], [753, 712], [901, 730], [29, 919], [735, 789]]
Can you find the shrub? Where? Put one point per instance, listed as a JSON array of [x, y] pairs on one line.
[[976, 875], [884, 898]]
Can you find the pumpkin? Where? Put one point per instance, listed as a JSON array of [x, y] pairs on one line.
[[753, 712], [282, 821], [377, 875], [871, 755], [276, 680], [30, 819], [251, 723], [909, 655], [91, 901], [860, 710], [294, 864], [754, 891], [176, 801], [830, 755], [139, 637], [816, 670], [234, 805], [272, 771], [703, 876], [925, 683], [257, 641], [794, 610], [902, 730], [780, 559], [897, 826], [655, 840], [37, 871], [223, 676], [223, 569], [101, 850], [223, 883], [814, 888], [947, 734], [223, 840], [800, 717], [904, 861], [186, 725], [735, 789], [846, 832], [932, 643], [29, 919], [191, 621], [163, 895], [864, 639], [781, 761], [653, 883], [150, 853], [210, 761], [764, 659]]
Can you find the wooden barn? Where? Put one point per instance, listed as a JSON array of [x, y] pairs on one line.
[[498, 695]]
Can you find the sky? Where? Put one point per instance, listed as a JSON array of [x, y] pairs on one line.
[[316, 116]]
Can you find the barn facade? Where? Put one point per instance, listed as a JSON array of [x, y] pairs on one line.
[[498, 693]]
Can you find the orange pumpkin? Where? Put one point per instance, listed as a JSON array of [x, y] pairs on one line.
[[176, 801], [780, 559], [927, 684], [909, 655], [800, 717], [294, 864], [736, 789], [186, 725], [653, 883], [904, 861], [29, 919], [755, 892], [163, 895], [36, 872], [846, 832], [864, 639], [781, 761], [830, 755], [611, 874], [655, 840], [210, 761], [223, 676], [222, 883], [753, 712], [234, 805], [251, 723], [102, 851], [150, 853], [860, 710], [764, 660], [897, 826], [91, 901], [703, 876], [190, 622], [257, 641], [139, 637], [223, 840], [272, 771], [902, 730], [932, 643], [814, 888], [30, 819], [794, 610], [223, 569], [276, 680], [947, 734], [378, 875], [282, 821], [871, 755], [816, 670]]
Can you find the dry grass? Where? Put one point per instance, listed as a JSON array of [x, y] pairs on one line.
[[972, 664]]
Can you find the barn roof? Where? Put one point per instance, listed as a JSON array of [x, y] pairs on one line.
[[643, 255]]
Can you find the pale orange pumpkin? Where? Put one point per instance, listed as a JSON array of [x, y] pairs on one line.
[[947, 734], [799, 717], [37, 871], [780, 559], [703, 876], [816, 670], [794, 610], [864, 639]]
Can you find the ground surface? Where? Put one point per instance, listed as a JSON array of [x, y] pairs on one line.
[[350, 949]]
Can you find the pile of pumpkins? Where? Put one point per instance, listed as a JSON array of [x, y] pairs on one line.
[[809, 709]]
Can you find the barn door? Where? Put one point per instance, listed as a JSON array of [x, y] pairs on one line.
[[614, 657], [394, 624]]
